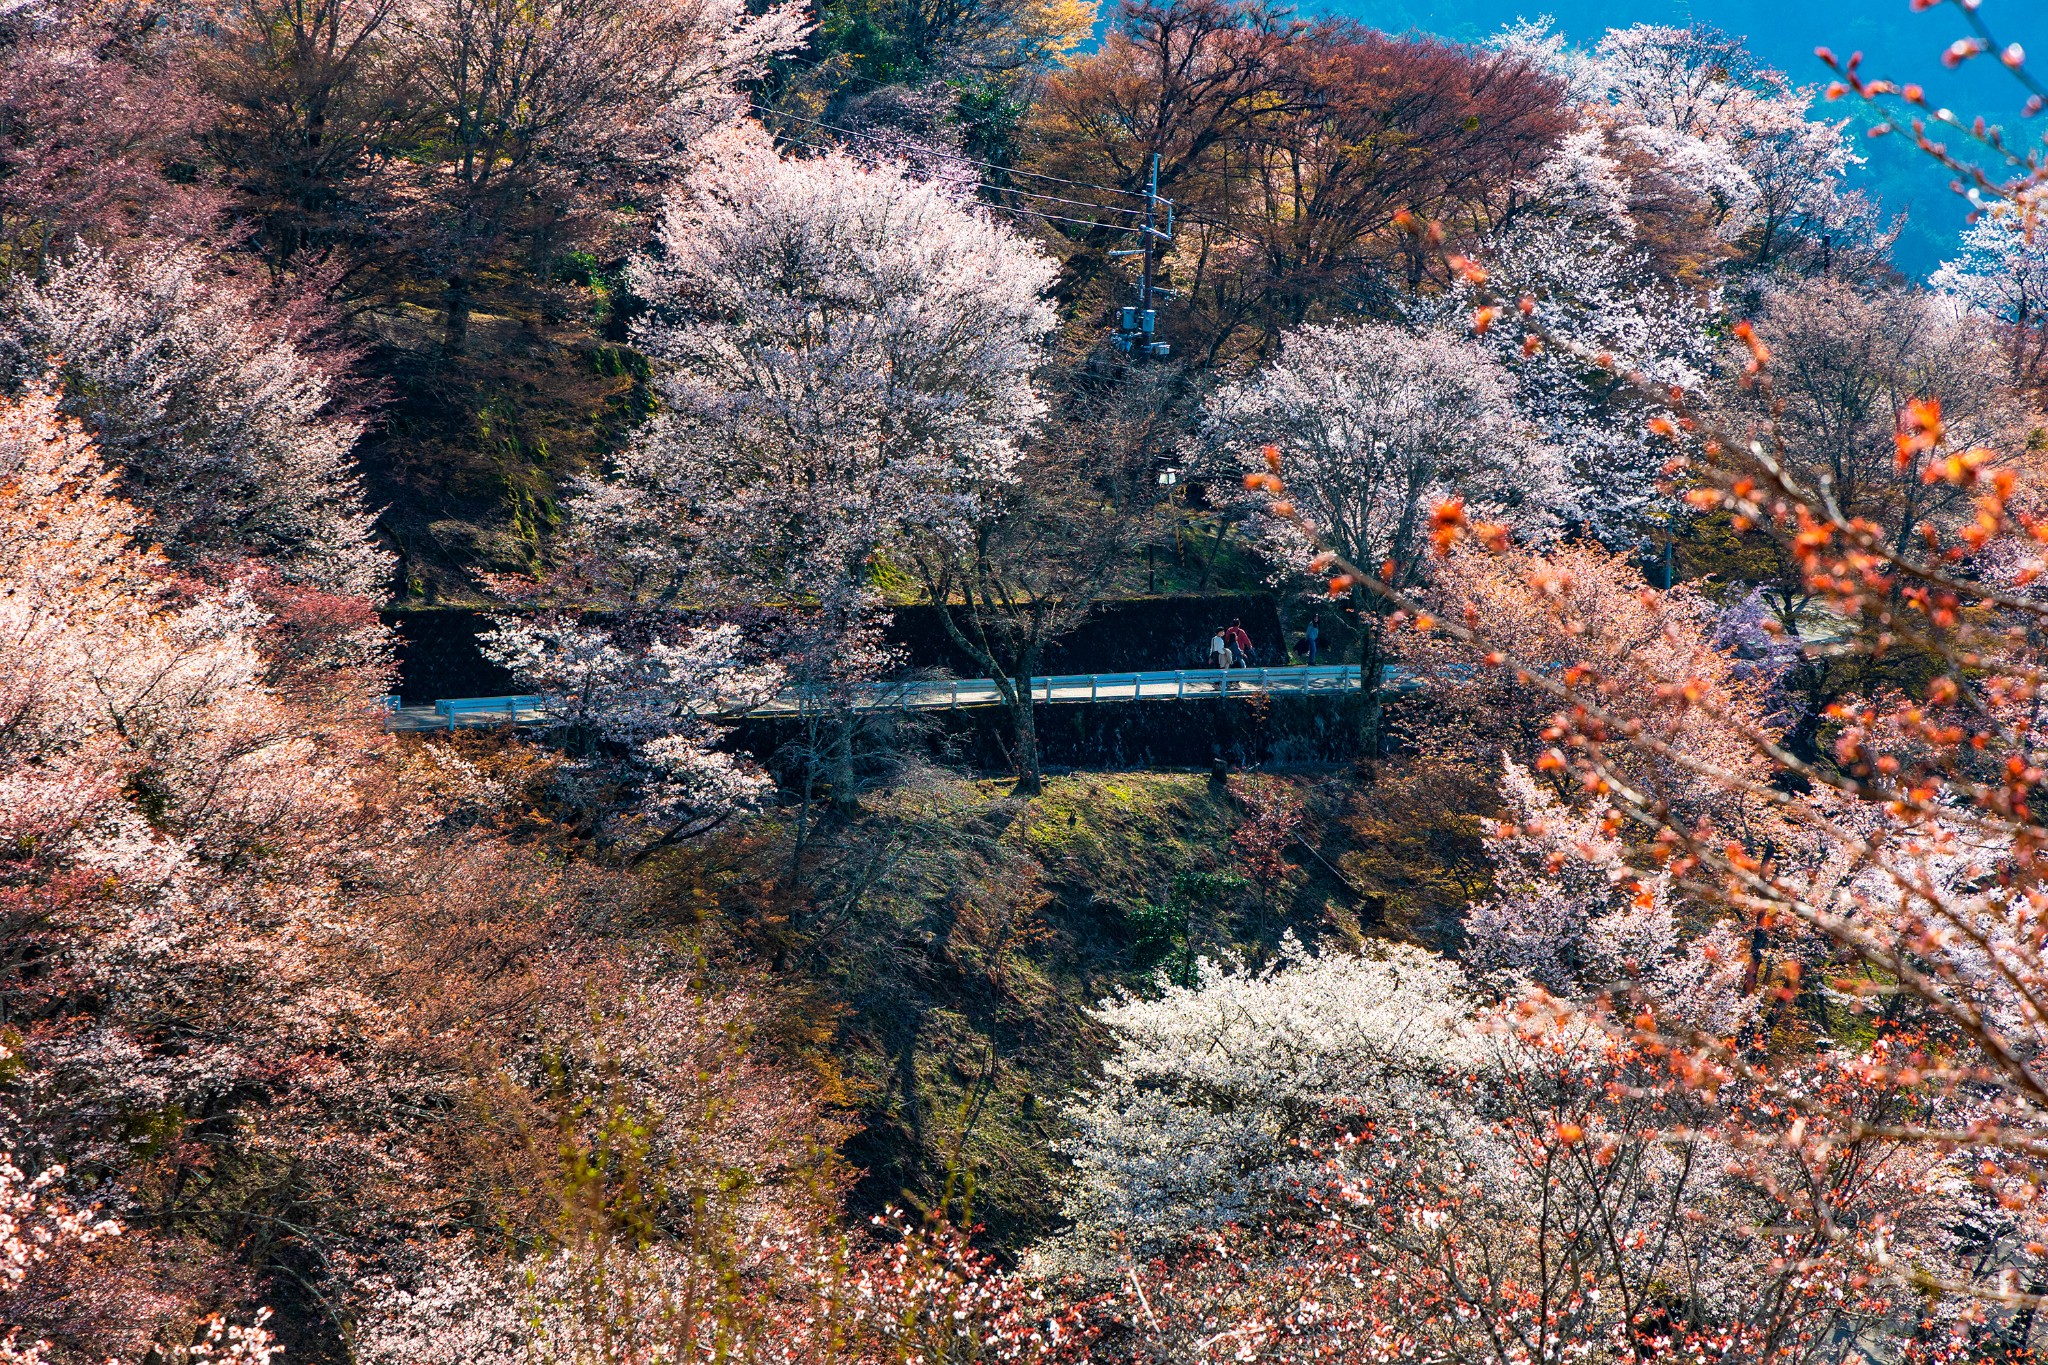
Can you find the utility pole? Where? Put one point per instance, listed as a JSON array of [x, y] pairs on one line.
[[1151, 228], [1137, 330]]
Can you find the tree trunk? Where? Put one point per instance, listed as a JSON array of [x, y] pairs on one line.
[[1023, 717], [456, 334], [1215, 548], [1024, 723], [845, 793], [1371, 659]]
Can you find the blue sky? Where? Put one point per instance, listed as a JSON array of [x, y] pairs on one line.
[[1895, 42]]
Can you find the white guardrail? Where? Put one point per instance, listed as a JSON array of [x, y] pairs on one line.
[[925, 694]]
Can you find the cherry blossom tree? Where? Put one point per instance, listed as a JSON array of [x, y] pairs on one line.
[[1584, 184], [1375, 423], [654, 704], [1219, 1088], [2003, 275], [1571, 914], [811, 1298], [1567, 911], [1537, 1181], [847, 353], [1685, 130], [1848, 365], [847, 358], [1044, 546], [1724, 127], [290, 953], [1856, 895], [98, 114], [1571, 608], [224, 429], [170, 825], [36, 1226], [1586, 283], [1914, 830]]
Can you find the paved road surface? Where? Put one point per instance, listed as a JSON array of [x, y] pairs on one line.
[[1191, 684]]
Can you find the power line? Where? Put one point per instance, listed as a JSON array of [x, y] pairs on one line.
[[1056, 199], [1004, 208], [1056, 218], [1185, 217], [873, 82], [1190, 217], [968, 160], [848, 77]]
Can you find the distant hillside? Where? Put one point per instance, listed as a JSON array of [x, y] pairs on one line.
[[1894, 41]]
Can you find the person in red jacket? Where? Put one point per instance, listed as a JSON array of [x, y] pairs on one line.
[[1241, 642]]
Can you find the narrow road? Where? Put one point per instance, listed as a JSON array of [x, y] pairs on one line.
[[928, 694]]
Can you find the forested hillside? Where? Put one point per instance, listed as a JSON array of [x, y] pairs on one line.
[[1893, 174], [1574, 896]]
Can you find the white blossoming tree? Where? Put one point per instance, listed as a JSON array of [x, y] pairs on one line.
[[222, 429], [1201, 1115], [1567, 910], [167, 822], [1334, 1157], [1689, 119], [1571, 915], [1722, 125], [655, 705], [2002, 273], [35, 1224], [2000, 270], [1373, 424], [845, 357], [1584, 183], [846, 352], [1589, 285]]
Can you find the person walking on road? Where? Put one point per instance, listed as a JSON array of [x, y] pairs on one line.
[[1219, 651], [1241, 642], [1315, 631]]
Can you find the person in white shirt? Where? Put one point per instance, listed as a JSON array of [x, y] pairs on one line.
[[1219, 652]]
